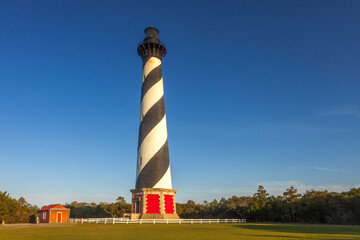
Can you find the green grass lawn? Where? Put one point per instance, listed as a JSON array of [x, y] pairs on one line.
[[176, 231]]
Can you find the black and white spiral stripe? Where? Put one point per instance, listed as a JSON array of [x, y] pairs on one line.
[[153, 166]]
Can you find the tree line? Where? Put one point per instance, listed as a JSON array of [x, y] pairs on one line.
[[101, 210], [311, 207], [290, 207], [14, 210]]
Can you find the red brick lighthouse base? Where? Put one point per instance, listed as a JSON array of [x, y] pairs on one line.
[[153, 203]]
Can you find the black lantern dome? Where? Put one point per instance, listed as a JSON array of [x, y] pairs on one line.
[[151, 32]]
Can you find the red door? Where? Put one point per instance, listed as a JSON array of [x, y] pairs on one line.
[[59, 217]]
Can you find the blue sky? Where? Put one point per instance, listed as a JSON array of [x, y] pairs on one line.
[[256, 92]]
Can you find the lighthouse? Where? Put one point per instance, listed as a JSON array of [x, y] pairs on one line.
[[153, 196]]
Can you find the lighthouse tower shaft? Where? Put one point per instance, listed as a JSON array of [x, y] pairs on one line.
[[153, 197], [153, 166]]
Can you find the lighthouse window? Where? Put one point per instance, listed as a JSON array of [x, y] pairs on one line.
[[140, 161]]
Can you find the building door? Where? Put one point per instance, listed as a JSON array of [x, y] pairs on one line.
[[59, 217], [137, 206]]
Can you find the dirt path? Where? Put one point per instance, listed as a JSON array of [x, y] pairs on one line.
[[29, 225]]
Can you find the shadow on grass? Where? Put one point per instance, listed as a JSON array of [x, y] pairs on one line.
[[262, 236], [304, 228]]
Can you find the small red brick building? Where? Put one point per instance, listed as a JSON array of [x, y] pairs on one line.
[[55, 213]]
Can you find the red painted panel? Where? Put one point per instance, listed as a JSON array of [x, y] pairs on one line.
[[169, 204], [59, 217], [152, 203]]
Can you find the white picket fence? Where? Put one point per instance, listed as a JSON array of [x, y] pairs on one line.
[[153, 221]]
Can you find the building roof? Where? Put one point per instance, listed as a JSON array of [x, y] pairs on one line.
[[47, 208]]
